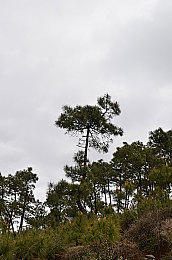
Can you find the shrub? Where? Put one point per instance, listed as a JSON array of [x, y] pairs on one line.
[[83, 230], [127, 218], [104, 251], [53, 242], [147, 232], [31, 244]]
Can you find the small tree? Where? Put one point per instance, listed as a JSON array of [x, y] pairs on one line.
[[62, 201], [161, 144], [8, 200], [17, 198], [25, 180], [36, 217]]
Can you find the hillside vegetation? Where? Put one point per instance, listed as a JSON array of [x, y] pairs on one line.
[[120, 209]]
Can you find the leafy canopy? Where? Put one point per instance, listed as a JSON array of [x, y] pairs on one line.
[[93, 123]]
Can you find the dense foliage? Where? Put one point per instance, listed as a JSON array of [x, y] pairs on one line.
[[120, 209]]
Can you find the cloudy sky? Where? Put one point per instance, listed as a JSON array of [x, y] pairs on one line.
[[60, 52]]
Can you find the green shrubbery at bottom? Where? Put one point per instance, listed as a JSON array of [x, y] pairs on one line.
[[51, 242], [145, 229]]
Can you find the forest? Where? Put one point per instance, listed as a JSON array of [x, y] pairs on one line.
[[121, 209]]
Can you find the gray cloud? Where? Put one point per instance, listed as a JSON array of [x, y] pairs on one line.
[[70, 52]]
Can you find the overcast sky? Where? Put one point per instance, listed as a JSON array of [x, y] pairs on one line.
[[61, 52]]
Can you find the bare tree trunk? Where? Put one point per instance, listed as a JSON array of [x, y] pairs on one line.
[[110, 202], [170, 158], [91, 205], [126, 196], [10, 214], [120, 184], [86, 149], [95, 200], [81, 208], [140, 181], [23, 213], [105, 195]]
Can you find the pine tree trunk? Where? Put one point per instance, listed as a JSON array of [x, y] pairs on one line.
[[86, 149], [171, 158], [91, 205], [140, 181], [120, 183], [95, 200], [105, 195], [110, 202], [81, 208], [10, 214], [22, 216], [126, 195]]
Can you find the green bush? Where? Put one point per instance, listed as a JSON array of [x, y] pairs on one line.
[[84, 230], [31, 244], [127, 218], [49, 243], [7, 246]]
